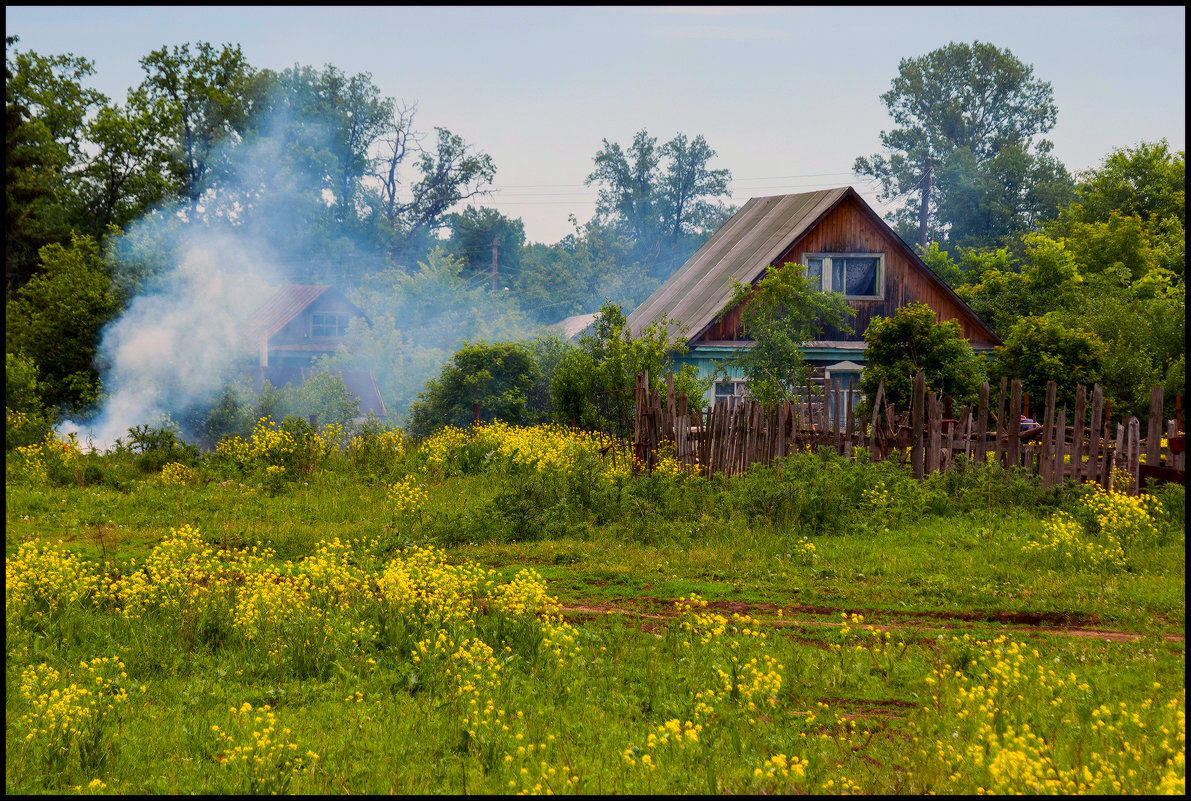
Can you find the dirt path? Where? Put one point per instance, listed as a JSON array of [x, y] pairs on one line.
[[655, 609]]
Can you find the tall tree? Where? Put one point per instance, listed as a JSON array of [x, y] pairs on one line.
[[960, 103], [475, 232], [45, 113], [662, 197], [214, 97]]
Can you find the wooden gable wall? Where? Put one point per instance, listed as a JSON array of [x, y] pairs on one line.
[[849, 228], [297, 331]]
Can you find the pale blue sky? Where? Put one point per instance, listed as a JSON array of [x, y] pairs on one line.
[[788, 97]]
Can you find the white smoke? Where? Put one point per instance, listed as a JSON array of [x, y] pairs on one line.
[[175, 344]]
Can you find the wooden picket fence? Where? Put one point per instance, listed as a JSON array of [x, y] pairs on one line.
[[720, 439]]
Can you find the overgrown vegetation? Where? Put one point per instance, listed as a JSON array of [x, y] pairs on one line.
[[301, 607]]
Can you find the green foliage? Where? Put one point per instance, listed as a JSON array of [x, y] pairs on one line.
[[46, 109], [593, 383], [25, 418], [1147, 181], [961, 155], [653, 201], [898, 347], [157, 447], [56, 318], [782, 311], [498, 377], [473, 232], [1039, 350]]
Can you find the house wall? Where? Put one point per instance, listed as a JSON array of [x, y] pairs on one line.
[[297, 331], [850, 228]]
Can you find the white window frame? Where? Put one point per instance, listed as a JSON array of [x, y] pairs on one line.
[[825, 277], [740, 391]]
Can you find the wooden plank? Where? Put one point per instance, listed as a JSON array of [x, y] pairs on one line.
[[1013, 424], [917, 424], [1134, 436], [961, 434], [1046, 468], [981, 450], [1172, 431], [935, 413], [1060, 452], [1002, 441], [1095, 433], [1154, 426], [1077, 436], [849, 423], [873, 453]]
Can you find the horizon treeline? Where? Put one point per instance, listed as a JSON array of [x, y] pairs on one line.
[[333, 182]]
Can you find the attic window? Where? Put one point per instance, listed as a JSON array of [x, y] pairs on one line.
[[328, 325], [856, 275]]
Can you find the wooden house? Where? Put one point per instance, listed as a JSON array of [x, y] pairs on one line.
[[844, 245], [298, 325]]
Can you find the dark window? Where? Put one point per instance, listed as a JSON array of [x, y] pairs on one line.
[[324, 325]]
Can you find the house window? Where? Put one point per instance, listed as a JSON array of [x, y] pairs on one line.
[[328, 325], [731, 391], [855, 275]]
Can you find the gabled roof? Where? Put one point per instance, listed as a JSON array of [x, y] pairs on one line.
[[279, 310], [742, 249]]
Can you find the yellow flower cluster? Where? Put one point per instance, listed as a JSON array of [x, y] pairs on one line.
[[67, 725], [1124, 518], [1122, 521], [783, 766], [177, 474], [35, 457], [1003, 712], [407, 497], [274, 444], [551, 447], [1063, 540], [804, 551], [259, 750], [43, 582]]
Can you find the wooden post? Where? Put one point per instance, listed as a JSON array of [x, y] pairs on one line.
[[935, 423], [1046, 454], [1060, 450], [1013, 421], [872, 434], [982, 427], [916, 424], [849, 422], [1002, 428], [1134, 459], [1154, 426], [1095, 432], [1077, 438]]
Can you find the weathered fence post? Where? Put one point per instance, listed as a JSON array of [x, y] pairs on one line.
[[1154, 426], [873, 454], [1046, 452], [1134, 457], [981, 450], [935, 426], [1013, 422], [916, 424], [999, 449], [1077, 448]]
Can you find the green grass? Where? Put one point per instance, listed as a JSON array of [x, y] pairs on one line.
[[933, 564]]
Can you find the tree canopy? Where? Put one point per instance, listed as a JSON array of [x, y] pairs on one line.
[[963, 159]]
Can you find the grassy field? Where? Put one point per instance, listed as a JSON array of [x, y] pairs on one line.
[[507, 611]]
